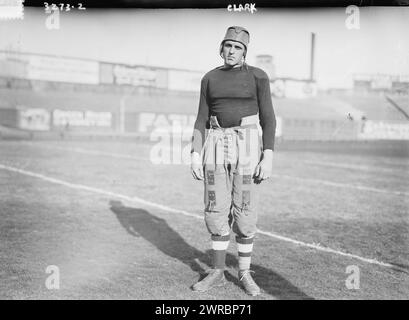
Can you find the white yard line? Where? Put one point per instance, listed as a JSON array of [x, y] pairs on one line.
[[342, 185], [311, 180], [357, 167], [90, 152], [185, 213]]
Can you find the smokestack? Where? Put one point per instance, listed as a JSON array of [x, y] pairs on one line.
[[312, 56]]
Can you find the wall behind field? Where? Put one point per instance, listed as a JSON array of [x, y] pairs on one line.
[[76, 95]]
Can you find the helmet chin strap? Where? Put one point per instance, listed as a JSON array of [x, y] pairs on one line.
[[239, 64]]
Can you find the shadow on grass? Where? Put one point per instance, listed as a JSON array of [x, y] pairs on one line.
[[141, 223]]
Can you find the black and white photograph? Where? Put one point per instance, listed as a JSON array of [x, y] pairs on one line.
[[171, 152]]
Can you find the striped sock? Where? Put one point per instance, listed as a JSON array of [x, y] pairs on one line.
[[244, 248], [219, 246]]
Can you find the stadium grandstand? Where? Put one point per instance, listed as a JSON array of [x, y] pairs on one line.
[[45, 96]]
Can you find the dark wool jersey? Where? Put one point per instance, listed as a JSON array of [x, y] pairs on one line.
[[231, 94]]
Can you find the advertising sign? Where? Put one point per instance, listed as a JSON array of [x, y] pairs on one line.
[[384, 130], [34, 119], [62, 69], [184, 80], [136, 76], [82, 118], [381, 82], [170, 122]]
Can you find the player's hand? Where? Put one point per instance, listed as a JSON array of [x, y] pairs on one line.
[[264, 169], [196, 166]]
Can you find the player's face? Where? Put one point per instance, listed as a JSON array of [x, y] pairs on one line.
[[233, 52]]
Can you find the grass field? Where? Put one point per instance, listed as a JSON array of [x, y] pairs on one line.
[[119, 227]]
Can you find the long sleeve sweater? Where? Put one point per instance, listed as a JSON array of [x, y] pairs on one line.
[[231, 94]]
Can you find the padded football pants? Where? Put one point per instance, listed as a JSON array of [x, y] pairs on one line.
[[230, 156]]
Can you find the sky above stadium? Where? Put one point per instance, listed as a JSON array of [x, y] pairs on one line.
[[189, 39]]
